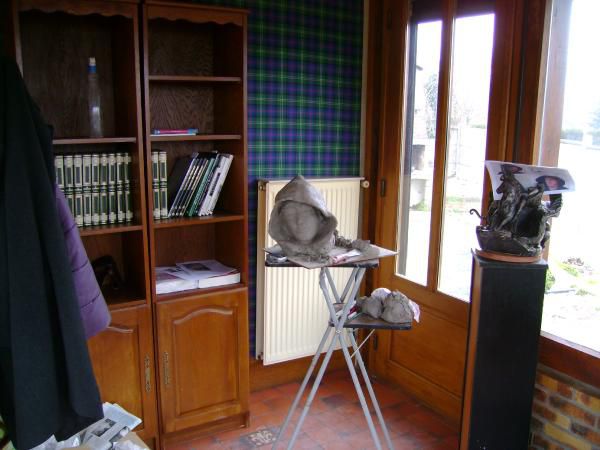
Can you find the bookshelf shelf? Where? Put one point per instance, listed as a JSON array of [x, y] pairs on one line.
[[191, 293], [192, 79], [197, 137], [108, 229], [86, 141], [190, 221]]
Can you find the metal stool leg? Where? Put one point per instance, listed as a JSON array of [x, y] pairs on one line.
[[365, 375], [313, 364]]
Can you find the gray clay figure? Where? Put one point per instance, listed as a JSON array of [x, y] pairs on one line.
[[300, 221], [373, 306], [396, 308]]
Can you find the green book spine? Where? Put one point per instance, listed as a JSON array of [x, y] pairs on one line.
[[155, 169], [95, 170], [127, 165], [104, 170], [87, 170], [164, 209], [156, 211], [112, 204], [112, 170], [201, 192], [78, 171], [78, 203], [68, 165], [70, 200], [87, 206], [60, 171], [96, 205], [162, 167], [120, 161], [103, 205], [120, 205], [128, 204]]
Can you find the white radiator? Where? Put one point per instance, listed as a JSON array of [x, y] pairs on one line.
[[291, 313]]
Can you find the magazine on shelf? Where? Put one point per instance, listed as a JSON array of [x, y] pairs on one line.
[[194, 275]]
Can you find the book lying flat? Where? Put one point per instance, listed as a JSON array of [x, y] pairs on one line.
[[194, 275]]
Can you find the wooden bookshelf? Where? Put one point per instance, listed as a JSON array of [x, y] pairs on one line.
[[53, 40], [195, 77], [189, 61]]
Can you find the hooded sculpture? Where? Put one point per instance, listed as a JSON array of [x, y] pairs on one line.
[[300, 221]]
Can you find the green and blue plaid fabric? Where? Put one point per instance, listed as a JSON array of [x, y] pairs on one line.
[[304, 95]]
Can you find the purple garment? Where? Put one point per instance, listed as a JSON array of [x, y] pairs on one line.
[[94, 312]]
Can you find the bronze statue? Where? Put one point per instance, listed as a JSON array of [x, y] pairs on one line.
[[517, 223]]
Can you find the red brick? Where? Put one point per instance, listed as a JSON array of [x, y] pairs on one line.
[[540, 395], [570, 409], [544, 444], [543, 411], [589, 401], [565, 390], [536, 424], [587, 433]]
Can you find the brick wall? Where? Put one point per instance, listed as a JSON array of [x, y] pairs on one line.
[[566, 413]]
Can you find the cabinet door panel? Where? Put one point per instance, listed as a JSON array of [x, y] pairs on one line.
[[203, 345], [123, 360]]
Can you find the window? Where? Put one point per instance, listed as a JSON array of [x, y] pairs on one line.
[[460, 177], [570, 138]]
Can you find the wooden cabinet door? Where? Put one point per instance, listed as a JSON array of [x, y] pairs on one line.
[[123, 360], [203, 358]]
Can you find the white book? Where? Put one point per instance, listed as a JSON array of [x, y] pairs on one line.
[[60, 173], [205, 268], [220, 182], [213, 184], [168, 279], [221, 280]]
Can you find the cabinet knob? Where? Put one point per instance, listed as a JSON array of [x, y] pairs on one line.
[[166, 368]]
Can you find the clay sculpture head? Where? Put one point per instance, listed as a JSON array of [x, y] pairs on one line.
[[300, 221]]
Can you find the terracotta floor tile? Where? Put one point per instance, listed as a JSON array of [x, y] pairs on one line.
[[336, 420]]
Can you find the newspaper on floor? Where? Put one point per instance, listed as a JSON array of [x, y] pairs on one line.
[[553, 179], [105, 433]]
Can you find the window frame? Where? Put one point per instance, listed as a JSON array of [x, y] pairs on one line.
[[520, 34]]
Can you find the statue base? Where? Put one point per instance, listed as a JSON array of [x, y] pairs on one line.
[[506, 257]]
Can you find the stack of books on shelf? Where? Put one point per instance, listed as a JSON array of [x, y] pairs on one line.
[[193, 186], [97, 187], [194, 275]]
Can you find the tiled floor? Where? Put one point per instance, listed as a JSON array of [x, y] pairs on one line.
[[335, 420]]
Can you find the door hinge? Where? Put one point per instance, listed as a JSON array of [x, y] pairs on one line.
[[382, 186], [375, 341]]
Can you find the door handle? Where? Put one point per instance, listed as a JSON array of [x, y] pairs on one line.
[[166, 368], [147, 373]]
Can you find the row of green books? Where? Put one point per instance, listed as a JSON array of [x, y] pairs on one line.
[[193, 186], [97, 187]]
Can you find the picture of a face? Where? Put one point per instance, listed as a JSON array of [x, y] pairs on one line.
[[552, 183]]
